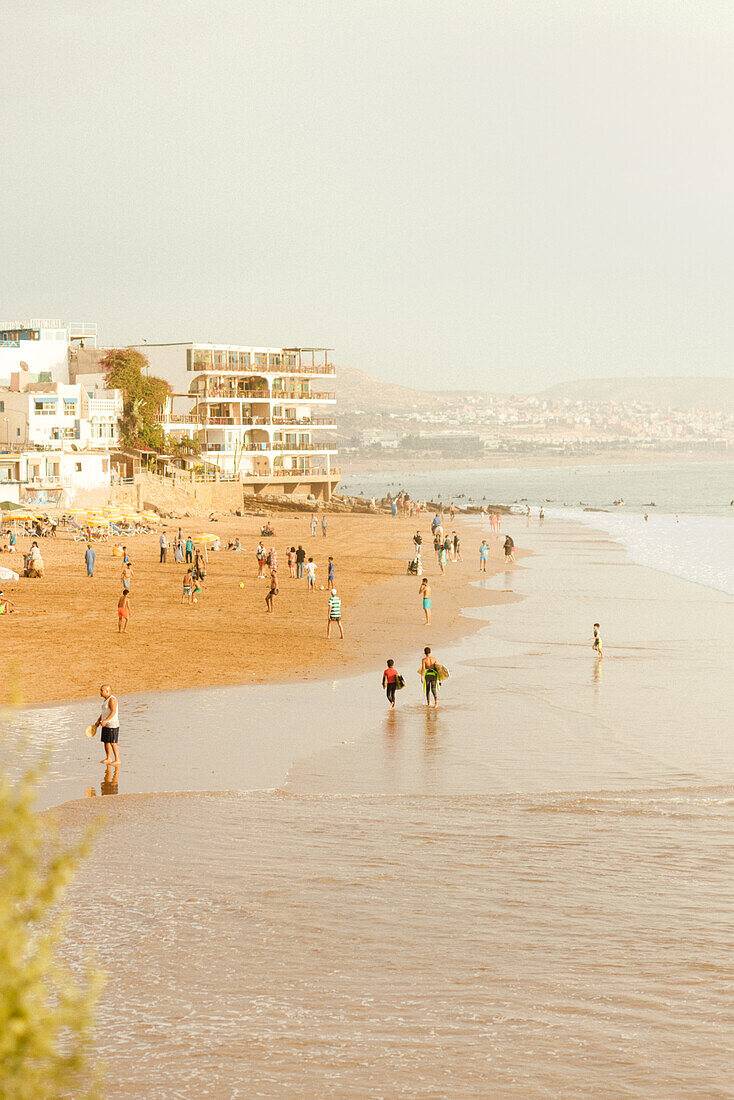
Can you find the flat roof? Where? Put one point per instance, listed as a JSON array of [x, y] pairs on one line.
[[220, 347]]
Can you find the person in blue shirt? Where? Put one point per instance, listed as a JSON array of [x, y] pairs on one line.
[[331, 572], [89, 559]]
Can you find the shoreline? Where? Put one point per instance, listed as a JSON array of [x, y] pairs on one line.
[[171, 647]]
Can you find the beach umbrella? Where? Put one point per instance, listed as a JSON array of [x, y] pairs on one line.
[[10, 506], [205, 538], [151, 517]]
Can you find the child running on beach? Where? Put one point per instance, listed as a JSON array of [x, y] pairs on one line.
[[597, 644], [123, 612]]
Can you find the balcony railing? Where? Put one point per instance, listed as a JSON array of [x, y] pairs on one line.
[[246, 421], [207, 366], [266, 446]]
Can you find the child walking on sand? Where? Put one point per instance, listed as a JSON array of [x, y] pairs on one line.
[[123, 612]]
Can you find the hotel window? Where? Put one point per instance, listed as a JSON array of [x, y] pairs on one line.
[[261, 360], [233, 361], [69, 408], [219, 359], [273, 361], [244, 360], [2, 406], [202, 359], [78, 467]]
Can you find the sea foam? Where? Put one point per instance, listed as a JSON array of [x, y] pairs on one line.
[[696, 548]]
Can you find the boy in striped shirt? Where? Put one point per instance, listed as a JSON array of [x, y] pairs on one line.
[[335, 614]]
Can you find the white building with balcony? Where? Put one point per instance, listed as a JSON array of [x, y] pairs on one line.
[[43, 345], [46, 414], [261, 414], [53, 477]]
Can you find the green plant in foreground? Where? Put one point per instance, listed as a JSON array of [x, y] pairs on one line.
[[45, 1011]]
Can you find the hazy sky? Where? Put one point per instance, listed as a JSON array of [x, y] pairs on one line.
[[501, 194]]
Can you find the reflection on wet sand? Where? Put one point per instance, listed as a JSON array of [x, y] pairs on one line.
[[109, 783]]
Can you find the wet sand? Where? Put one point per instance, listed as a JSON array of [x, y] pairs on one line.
[[525, 894], [63, 642]]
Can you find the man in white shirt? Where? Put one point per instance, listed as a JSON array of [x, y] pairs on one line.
[[109, 723], [311, 574], [164, 547]]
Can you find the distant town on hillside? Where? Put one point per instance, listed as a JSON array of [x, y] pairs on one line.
[[676, 416]]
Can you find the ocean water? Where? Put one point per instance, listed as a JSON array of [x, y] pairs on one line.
[[696, 488], [689, 531], [526, 893]]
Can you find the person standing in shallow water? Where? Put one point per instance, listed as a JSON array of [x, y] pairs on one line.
[[109, 722], [429, 677], [390, 683], [425, 593]]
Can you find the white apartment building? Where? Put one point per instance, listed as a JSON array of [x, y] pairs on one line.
[[45, 414], [43, 345], [57, 423], [257, 413], [52, 477]]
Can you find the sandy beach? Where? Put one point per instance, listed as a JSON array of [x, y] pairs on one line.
[[63, 642]]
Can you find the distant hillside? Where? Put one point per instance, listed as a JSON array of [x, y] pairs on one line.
[[358, 391], [709, 394]]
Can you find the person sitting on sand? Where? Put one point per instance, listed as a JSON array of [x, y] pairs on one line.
[[7, 607], [123, 612], [34, 562]]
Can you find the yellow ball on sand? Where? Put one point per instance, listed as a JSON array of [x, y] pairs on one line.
[[241, 585]]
